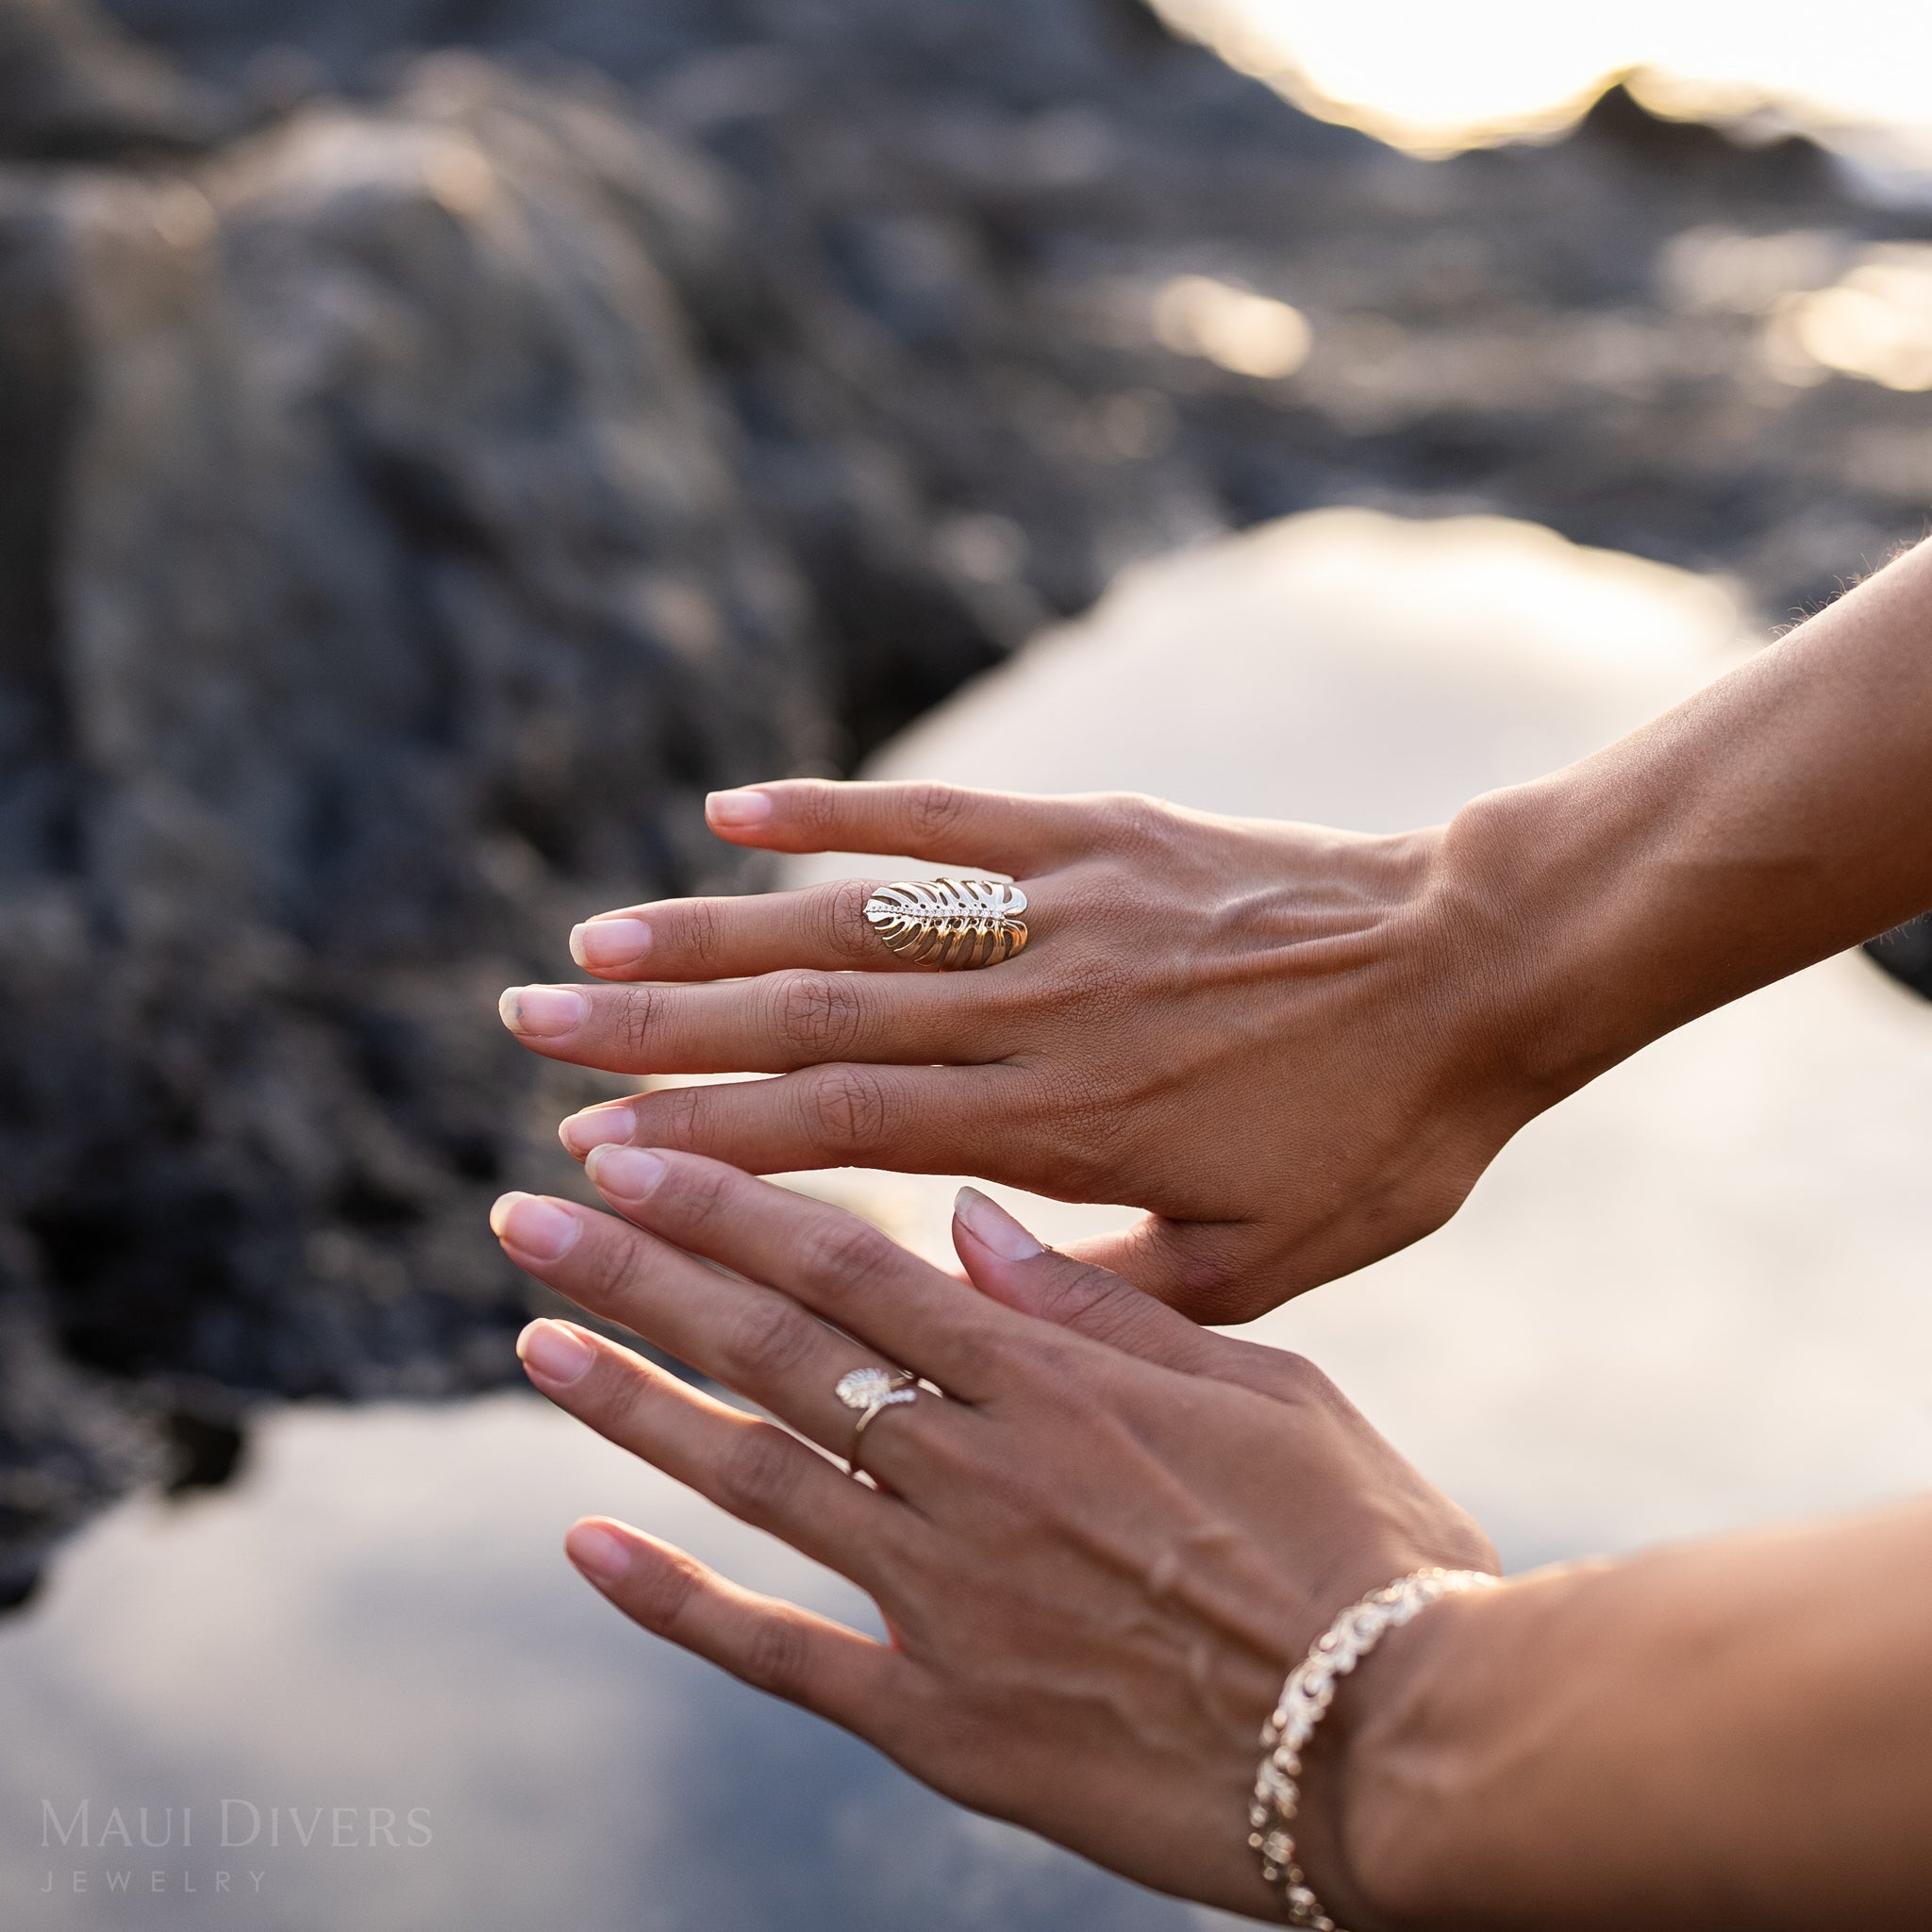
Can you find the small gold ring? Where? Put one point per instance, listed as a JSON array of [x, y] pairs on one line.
[[872, 1392], [957, 923]]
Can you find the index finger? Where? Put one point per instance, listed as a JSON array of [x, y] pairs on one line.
[[949, 825]]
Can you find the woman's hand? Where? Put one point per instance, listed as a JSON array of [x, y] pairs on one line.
[[1097, 1558], [1291, 1044], [1297, 1048]]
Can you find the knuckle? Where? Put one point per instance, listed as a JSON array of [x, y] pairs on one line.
[[606, 1271], [777, 1657], [1298, 1379], [635, 1016], [633, 1398], [702, 936], [842, 1254], [665, 1592], [846, 1109], [769, 1341], [844, 933], [933, 811], [673, 1116], [703, 1193], [819, 1013], [759, 1473], [1084, 1297], [813, 804], [1132, 821]]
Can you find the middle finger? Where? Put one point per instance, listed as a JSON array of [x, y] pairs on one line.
[[773, 1024], [832, 1262], [750, 1338]]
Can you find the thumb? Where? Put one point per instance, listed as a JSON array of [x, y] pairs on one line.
[[1006, 1263], [1211, 1272]]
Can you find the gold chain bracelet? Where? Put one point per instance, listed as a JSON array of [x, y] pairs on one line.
[[1304, 1703]]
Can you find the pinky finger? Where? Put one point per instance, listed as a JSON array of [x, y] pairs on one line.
[[774, 1647]]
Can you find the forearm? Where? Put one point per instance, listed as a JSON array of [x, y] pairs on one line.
[[1736, 1733], [1777, 817]]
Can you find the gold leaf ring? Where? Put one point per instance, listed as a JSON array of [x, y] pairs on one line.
[[871, 1391], [951, 922]]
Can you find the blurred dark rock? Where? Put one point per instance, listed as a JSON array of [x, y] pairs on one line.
[[381, 597], [424, 472], [1906, 954], [968, 206], [70, 1440], [205, 1451], [74, 87]]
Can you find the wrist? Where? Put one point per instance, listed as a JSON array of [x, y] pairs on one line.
[[1399, 1758], [1570, 972], [1413, 1816], [1308, 1795]]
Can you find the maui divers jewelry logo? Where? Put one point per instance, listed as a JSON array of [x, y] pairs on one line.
[[228, 1848]]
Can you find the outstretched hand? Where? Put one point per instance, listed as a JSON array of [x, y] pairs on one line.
[[1284, 1042], [1098, 1555]]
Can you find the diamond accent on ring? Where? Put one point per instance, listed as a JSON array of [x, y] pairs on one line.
[[871, 1388]]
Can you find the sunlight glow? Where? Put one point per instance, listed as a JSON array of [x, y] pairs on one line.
[[1875, 324], [1435, 79], [1716, 271], [1248, 334]]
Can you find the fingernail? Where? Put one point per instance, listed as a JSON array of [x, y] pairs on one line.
[[600, 1556], [738, 808], [597, 1126], [624, 1174], [991, 1227], [607, 942], [542, 1011], [538, 1228], [555, 1353]]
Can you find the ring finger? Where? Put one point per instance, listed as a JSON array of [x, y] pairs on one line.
[[773, 1024], [729, 939]]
